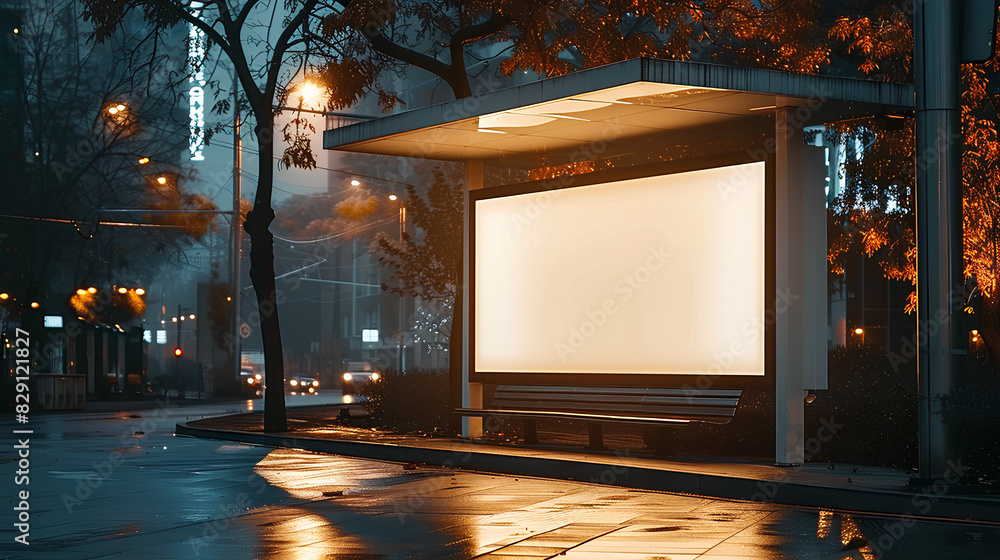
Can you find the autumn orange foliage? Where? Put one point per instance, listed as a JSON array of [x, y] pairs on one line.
[[885, 44]]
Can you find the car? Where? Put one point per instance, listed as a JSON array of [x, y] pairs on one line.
[[301, 384], [251, 381], [357, 375]]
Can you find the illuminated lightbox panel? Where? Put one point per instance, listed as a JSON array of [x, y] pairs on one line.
[[659, 275]]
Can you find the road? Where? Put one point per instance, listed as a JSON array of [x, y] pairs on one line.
[[121, 485]]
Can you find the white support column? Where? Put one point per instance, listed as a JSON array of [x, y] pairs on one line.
[[472, 393], [789, 426]]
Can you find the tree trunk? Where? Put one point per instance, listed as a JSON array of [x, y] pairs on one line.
[[262, 276]]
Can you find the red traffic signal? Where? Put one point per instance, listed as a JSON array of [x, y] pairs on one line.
[[178, 352]]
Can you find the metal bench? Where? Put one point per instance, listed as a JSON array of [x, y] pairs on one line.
[[609, 404]]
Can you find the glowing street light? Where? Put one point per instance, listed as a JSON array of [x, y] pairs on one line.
[[140, 291], [143, 161], [92, 290], [355, 182], [4, 295], [859, 330], [161, 180], [308, 90]]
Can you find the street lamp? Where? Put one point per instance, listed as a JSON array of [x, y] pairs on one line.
[[307, 91], [117, 113]]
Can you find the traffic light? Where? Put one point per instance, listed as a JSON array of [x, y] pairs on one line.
[[178, 352]]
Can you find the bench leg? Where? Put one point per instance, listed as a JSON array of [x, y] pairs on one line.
[[530, 432], [596, 435], [659, 440]]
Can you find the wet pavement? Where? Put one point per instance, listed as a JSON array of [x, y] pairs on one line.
[[121, 485], [626, 462]]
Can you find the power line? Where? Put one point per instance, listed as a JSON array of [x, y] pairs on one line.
[[335, 236], [75, 222]]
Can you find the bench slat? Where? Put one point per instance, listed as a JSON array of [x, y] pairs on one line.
[[509, 400], [652, 404], [574, 404], [641, 405], [639, 419], [621, 390]]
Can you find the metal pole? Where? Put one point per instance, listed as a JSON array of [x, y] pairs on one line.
[[402, 298], [177, 358], [234, 232], [940, 282]]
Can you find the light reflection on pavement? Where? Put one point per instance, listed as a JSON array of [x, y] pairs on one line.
[[186, 498]]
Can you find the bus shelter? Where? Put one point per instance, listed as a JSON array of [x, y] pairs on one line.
[[649, 223]]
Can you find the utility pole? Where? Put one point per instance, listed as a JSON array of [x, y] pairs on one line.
[[178, 352], [940, 281], [402, 298], [235, 235]]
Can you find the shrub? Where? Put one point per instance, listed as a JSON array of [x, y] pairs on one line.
[[974, 409], [416, 401], [871, 405], [749, 434], [161, 383]]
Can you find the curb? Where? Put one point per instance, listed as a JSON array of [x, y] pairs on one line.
[[931, 504]]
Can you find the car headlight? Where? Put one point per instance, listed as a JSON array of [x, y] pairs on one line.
[[293, 382], [257, 377], [250, 380], [316, 383], [375, 376], [348, 377], [312, 390]]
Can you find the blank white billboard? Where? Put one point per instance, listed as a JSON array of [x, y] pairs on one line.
[[657, 275]]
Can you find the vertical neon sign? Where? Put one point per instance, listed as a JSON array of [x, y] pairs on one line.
[[196, 91]]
